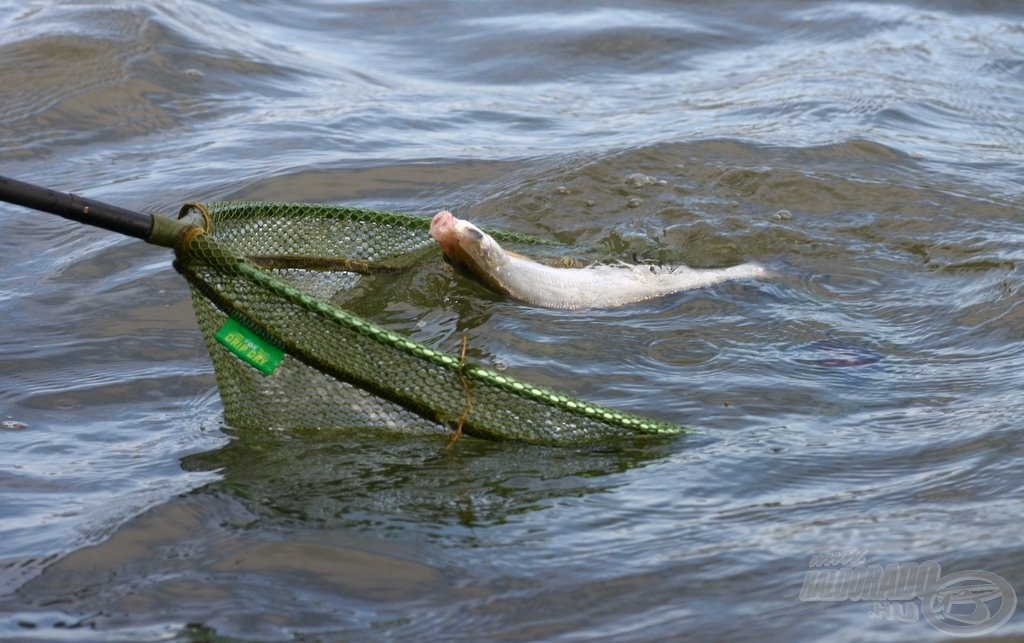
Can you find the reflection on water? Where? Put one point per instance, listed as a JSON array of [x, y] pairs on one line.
[[865, 397], [362, 523], [333, 478]]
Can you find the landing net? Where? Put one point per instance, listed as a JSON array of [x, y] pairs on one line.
[[263, 278]]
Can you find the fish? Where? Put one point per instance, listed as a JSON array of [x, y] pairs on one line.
[[476, 254]]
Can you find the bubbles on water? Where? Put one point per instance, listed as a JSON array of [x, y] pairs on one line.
[[634, 202], [835, 353], [639, 180], [12, 425], [783, 215]]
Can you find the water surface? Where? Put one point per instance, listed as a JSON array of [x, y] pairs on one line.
[[866, 397]]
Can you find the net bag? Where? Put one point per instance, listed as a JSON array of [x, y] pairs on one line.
[[263, 277]]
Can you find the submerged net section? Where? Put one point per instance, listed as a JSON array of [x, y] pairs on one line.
[[273, 270]]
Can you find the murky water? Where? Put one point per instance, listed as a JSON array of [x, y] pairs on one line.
[[866, 397]]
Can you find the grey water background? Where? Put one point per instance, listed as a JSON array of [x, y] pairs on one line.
[[866, 397]]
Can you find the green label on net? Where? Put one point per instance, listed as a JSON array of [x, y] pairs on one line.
[[247, 345]]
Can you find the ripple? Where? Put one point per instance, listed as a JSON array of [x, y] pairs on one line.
[[866, 396]]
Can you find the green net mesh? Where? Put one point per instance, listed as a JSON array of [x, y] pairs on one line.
[[280, 269]]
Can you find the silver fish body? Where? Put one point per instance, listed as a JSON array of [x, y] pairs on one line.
[[602, 286]]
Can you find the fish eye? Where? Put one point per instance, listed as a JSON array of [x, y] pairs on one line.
[[474, 234]]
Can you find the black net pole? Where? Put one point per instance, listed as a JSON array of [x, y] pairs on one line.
[[76, 208]]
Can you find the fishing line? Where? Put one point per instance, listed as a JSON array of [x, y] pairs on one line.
[[433, 166]]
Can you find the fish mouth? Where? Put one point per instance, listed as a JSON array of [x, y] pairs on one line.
[[444, 230], [450, 232], [442, 223]]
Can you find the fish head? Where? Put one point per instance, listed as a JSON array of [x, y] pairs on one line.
[[467, 247]]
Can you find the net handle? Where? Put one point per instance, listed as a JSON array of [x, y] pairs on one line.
[[153, 229]]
